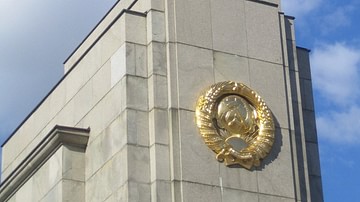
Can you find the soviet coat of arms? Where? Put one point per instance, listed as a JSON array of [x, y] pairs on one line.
[[235, 123]]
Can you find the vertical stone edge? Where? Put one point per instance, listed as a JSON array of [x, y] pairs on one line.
[[298, 139], [312, 147]]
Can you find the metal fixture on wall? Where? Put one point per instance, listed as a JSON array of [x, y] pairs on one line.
[[235, 123]]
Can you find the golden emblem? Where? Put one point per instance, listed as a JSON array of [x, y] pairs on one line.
[[235, 123]]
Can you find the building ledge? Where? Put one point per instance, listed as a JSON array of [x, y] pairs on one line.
[[57, 137]]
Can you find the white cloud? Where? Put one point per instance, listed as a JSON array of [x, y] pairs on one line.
[[299, 8], [340, 127], [336, 78], [335, 69]]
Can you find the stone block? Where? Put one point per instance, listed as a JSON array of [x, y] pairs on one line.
[[118, 175], [228, 23], [290, 102], [73, 163], [313, 159], [136, 60], [304, 63], [12, 151], [193, 23], [158, 5], [269, 198], [141, 6], [25, 192], [138, 164], [159, 162], [172, 72], [138, 192], [40, 182], [292, 61], [231, 195], [135, 28], [157, 59], [170, 21], [83, 102], [107, 144], [129, 59], [145, 6], [161, 191], [55, 194], [12, 199], [102, 82], [92, 61], [66, 116], [238, 178], [122, 194], [310, 126], [159, 127], [137, 127], [263, 32], [194, 192], [136, 93], [231, 67], [267, 79], [114, 38], [275, 176], [316, 188], [73, 191], [118, 65], [57, 100], [289, 28], [198, 162], [158, 91], [73, 83], [108, 179], [294, 86], [106, 110], [283, 39], [155, 26], [307, 99], [194, 75]]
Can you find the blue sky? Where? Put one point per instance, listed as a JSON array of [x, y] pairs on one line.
[[37, 36]]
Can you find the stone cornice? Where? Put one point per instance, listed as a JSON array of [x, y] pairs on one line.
[[58, 136]]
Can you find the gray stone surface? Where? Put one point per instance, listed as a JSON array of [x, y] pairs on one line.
[[158, 95], [304, 63], [161, 191], [231, 67], [230, 195], [160, 163], [159, 127], [269, 198], [228, 22], [312, 151], [239, 179], [197, 162], [307, 94], [155, 26], [193, 75], [268, 80], [194, 27], [263, 33], [275, 176], [157, 59], [316, 188], [193, 192], [310, 126]]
